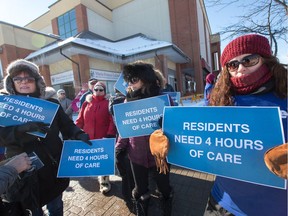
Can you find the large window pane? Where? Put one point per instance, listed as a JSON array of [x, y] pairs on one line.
[[67, 24]]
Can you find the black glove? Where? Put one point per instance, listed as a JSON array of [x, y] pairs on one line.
[[160, 121], [109, 136], [84, 137], [32, 127]]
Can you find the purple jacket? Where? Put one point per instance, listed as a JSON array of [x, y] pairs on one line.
[[138, 150]]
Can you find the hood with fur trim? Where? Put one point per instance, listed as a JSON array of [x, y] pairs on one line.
[[23, 65]]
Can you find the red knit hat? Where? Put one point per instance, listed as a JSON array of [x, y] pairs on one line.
[[253, 43], [210, 78], [100, 84]]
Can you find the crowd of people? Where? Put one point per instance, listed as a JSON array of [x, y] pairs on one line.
[[250, 76]]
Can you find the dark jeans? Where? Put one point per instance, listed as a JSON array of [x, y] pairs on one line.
[[141, 179], [124, 168], [214, 209]]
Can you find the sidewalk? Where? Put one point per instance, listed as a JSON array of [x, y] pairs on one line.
[[191, 191]]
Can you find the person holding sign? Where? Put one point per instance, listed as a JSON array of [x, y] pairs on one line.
[[143, 83], [41, 187], [251, 76], [10, 169], [9, 172], [94, 118]]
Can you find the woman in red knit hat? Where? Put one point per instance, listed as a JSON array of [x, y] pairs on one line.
[[250, 76], [210, 80]]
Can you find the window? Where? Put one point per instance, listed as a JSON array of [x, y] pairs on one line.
[[1, 71], [216, 61], [67, 25]]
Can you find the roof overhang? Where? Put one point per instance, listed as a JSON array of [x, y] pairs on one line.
[[124, 51]]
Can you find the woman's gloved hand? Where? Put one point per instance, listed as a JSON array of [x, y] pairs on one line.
[[32, 127], [84, 137], [110, 136]]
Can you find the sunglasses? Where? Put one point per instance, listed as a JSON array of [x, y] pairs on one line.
[[19, 80], [133, 80], [247, 61], [92, 82], [96, 90]]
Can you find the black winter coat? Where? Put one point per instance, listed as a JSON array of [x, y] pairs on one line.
[[48, 149]]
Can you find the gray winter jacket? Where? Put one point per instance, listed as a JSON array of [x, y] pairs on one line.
[[8, 175]]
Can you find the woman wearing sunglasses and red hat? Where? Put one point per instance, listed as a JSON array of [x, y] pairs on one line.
[[251, 76]]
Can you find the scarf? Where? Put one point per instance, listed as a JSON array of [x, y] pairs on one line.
[[250, 82]]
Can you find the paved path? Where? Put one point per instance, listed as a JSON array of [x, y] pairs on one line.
[[191, 191]]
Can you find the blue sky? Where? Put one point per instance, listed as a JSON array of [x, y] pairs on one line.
[[221, 17], [21, 12]]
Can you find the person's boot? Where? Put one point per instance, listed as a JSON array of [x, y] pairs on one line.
[[166, 205], [105, 185], [141, 205]]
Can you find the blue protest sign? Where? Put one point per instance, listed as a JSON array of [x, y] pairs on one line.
[[175, 97], [225, 141], [80, 160], [16, 110], [121, 85], [139, 118]]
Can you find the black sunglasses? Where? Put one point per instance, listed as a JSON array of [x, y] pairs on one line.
[[133, 80], [19, 80], [247, 61], [96, 90]]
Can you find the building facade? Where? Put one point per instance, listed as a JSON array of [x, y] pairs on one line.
[[85, 38]]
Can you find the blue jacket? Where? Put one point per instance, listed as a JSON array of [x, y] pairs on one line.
[[242, 198], [207, 91]]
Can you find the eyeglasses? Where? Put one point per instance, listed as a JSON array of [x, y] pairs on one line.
[[96, 90], [19, 80], [247, 61], [133, 80]]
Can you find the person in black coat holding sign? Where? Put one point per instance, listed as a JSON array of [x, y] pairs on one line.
[[144, 82], [41, 187]]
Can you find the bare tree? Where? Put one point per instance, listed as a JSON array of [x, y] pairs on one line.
[[265, 17]]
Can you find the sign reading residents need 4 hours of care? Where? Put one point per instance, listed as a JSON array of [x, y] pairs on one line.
[[79, 159], [139, 117], [225, 141], [16, 110]]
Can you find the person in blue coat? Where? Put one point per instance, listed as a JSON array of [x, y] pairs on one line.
[[210, 80], [251, 76]]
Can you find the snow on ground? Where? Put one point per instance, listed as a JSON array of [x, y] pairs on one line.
[[194, 103]]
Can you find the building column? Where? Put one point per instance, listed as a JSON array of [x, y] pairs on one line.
[[45, 72], [162, 65], [82, 72]]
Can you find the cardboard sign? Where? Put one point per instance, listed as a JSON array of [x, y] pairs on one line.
[[139, 118], [79, 159], [225, 141], [16, 110]]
